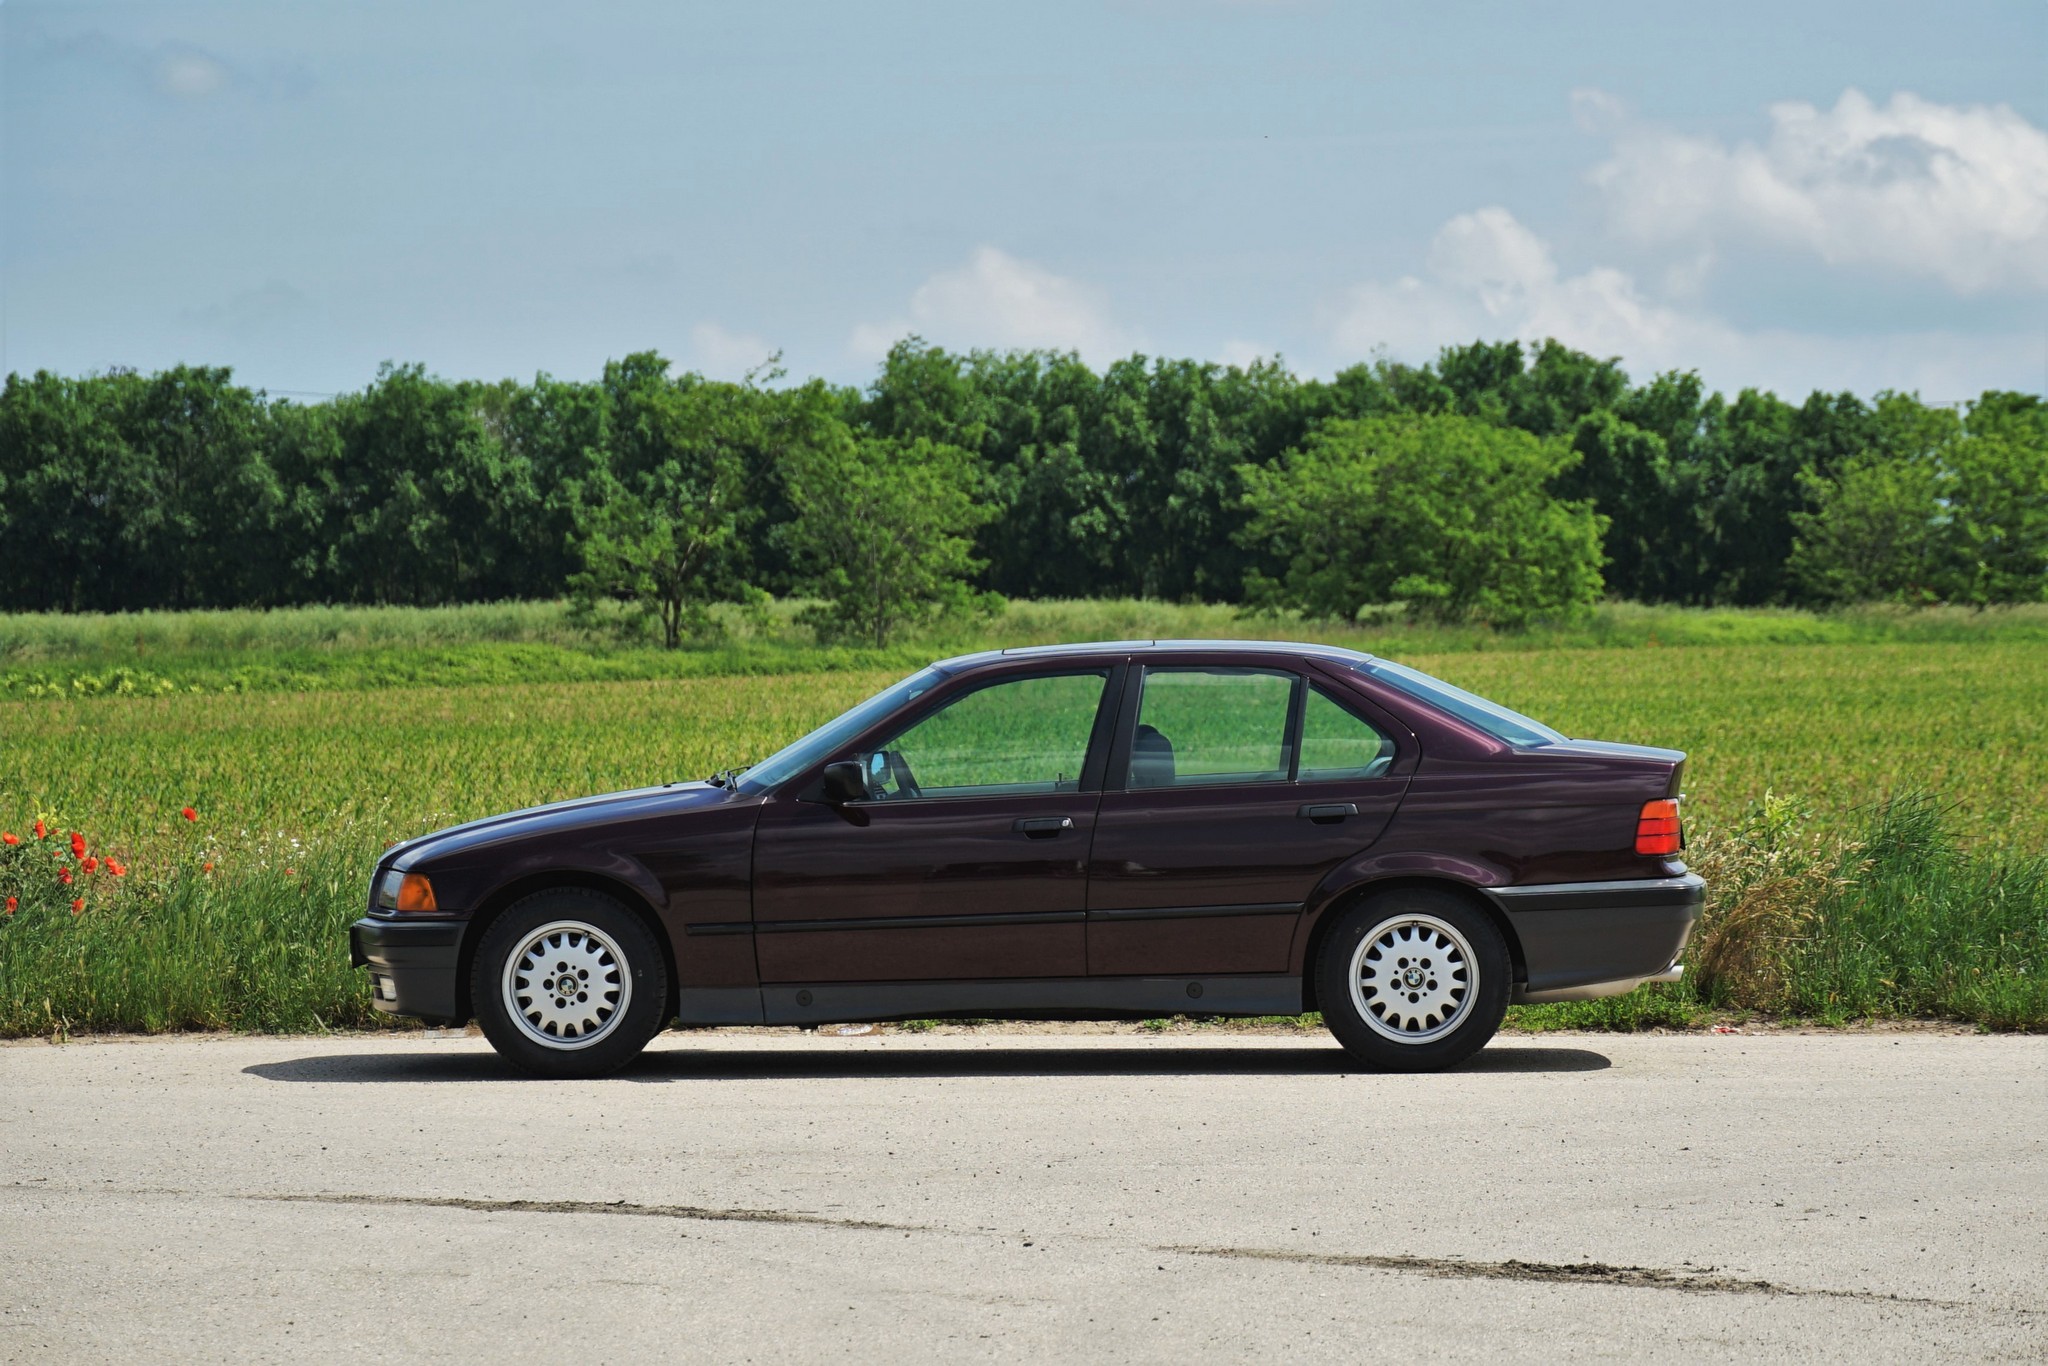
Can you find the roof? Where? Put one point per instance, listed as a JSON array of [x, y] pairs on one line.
[[1083, 649]]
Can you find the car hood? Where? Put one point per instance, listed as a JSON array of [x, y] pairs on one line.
[[556, 818]]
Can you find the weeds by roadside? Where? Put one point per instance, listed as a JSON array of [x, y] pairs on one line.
[[1902, 920]]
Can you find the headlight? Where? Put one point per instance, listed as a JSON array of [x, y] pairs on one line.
[[398, 891]]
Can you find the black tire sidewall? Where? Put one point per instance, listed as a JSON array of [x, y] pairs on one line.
[[645, 965], [1361, 1040]]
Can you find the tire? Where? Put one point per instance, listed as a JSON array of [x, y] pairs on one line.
[[618, 970], [1448, 957]]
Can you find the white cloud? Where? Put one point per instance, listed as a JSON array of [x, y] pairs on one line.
[[1596, 111], [997, 300], [188, 73], [1958, 193], [1488, 277], [723, 354]]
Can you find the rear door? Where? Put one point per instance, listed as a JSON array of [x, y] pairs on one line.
[[969, 858], [1231, 791]]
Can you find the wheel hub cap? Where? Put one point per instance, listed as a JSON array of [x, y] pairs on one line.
[[1413, 979], [567, 985]]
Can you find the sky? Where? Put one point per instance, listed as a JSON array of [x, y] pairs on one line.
[[1798, 194]]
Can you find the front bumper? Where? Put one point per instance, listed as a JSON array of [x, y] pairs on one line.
[[415, 966], [1582, 940]]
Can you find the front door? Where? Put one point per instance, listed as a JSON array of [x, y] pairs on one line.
[[969, 858], [1242, 787]]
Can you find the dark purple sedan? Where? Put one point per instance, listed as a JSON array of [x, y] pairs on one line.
[[1100, 831]]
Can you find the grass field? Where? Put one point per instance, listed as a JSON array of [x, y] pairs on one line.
[[1830, 715]]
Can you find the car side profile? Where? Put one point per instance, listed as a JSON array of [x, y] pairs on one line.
[[1102, 831]]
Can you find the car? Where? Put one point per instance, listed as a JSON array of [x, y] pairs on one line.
[[1117, 830]]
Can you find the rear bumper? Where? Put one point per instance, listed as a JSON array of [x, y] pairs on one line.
[[1582, 940], [414, 966]]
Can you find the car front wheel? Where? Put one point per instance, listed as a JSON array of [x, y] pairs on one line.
[[569, 983], [1414, 980]]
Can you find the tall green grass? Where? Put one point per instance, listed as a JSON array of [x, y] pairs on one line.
[[1906, 919], [1903, 921], [258, 948], [305, 649]]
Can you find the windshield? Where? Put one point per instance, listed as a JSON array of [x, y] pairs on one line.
[[1509, 726], [786, 763]]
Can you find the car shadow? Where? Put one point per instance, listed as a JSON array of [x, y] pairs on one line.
[[827, 1063]]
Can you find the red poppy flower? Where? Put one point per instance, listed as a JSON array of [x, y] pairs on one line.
[[117, 869], [12, 902], [206, 867], [64, 876], [78, 906], [189, 814], [91, 865], [10, 838], [40, 831], [291, 872], [77, 845]]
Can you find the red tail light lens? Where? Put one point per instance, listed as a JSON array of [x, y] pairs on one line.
[[1657, 828]]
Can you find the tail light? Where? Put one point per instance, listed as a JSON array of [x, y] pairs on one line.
[[1657, 828]]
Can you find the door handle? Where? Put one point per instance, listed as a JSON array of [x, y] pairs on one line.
[[1324, 812], [1044, 827]]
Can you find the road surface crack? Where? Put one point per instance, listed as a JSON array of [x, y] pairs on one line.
[[703, 1212], [1703, 1280]]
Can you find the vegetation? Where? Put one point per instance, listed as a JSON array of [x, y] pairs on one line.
[[1796, 724], [884, 526], [670, 494], [1448, 516]]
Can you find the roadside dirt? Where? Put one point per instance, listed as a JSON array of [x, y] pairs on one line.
[[1174, 1028]]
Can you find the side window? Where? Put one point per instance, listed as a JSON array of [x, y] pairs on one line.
[[1024, 735], [1205, 727], [1336, 743]]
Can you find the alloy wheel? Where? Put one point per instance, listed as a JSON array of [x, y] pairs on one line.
[[1414, 979], [567, 986]]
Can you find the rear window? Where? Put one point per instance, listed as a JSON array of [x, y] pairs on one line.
[[1509, 727]]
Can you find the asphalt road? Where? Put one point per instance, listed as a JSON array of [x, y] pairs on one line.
[[814, 1198]]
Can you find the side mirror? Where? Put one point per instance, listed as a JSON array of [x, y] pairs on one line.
[[845, 782]]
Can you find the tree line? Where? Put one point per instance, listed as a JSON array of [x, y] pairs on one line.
[[1498, 482]]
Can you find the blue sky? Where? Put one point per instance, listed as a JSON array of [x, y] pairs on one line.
[[1786, 194]]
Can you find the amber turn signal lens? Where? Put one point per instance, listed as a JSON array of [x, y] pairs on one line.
[[415, 893], [1657, 828]]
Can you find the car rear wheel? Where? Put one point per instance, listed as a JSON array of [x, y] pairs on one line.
[[569, 983], [1413, 981]]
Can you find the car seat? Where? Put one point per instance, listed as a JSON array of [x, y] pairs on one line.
[[1151, 758]]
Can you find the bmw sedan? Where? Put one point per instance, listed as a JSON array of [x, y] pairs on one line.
[[1102, 831]]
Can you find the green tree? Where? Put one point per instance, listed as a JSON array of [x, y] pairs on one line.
[[1939, 508], [1874, 533], [425, 499], [66, 471], [202, 497], [885, 528], [659, 514], [1998, 508], [1449, 515]]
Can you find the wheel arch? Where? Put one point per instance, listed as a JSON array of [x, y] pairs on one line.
[[495, 904], [1334, 910]]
